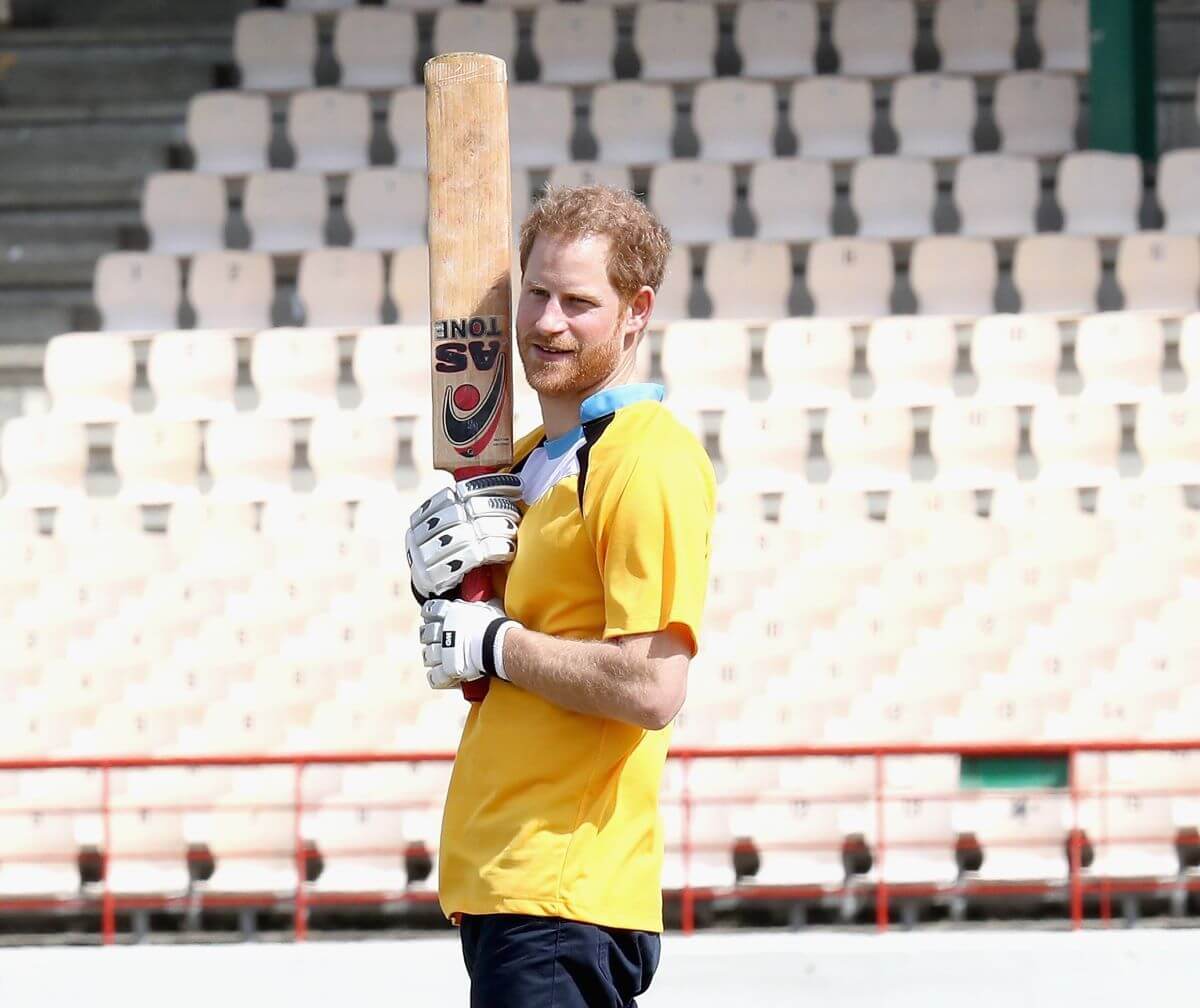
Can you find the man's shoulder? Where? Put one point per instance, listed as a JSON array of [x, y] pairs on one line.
[[646, 434]]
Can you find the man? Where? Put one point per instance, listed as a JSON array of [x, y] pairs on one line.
[[551, 848]]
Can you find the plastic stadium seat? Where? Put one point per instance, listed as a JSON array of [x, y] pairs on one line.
[[477, 29], [734, 119], [40, 855], [953, 276], [285, 211], [934, 115], [295, 371], [386, 207], [893, 196], [577, 173], [406, 127], [809, 361], [917, 510], [320, 6], [353, 454], [1138, 501], [776, 38], [693, 199], [1021, 504], [748, 279], [850, 277], [633, 122], [1159, 272], [1024, 837], [137, 291], [574, 45], [184, 212], [974, 443], [408, 284], [229, 132], [330, 129], [1168, 439], [673, 296], [832, 117], [192, 373], [254, 848], [147, 852], [1016, 358], [1036, 113], [391, 369], [248, 456], [920, 843], [791, 198], [706, 363], [912, 359], [341, 287], [44, 461], [799, 843], [1076, 441], [1134, 835], [231, 290], [765, 444], [675, 41], [275, 50], [1178, 185], [1100, 192], [362, 849], [997, 195], [869, 447], [89, 376], [874, 37], [976, 36], [375, 48], [1057, 273], [1061, 29], [1120, 356], [298, 517], [542, 118], [157, 460]]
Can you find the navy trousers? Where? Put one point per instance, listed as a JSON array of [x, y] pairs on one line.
[[516, 961]]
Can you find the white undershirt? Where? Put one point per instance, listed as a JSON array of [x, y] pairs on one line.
[[541, 472]]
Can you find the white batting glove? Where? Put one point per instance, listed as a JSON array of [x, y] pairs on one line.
[[460, 528], [463, 641]]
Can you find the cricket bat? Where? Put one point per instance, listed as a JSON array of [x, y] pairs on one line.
[[470, 266]]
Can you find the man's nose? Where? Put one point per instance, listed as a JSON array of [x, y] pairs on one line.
[[551, 318]]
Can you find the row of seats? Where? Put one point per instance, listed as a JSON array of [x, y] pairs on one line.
[[743, 279], [934, 115], [278, 50], [765, 447], [910, 360], [995, 195]]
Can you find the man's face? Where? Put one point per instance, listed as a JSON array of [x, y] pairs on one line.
[[570, 330]]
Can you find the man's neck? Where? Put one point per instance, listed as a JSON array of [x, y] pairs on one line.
[[561, 413]]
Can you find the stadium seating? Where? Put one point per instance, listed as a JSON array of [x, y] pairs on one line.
[[375, 48], [850, 277], [776, 38], [330, 129], [974, 36], [89, 376], [285, 210], [893, 196], [934, 115], [832, 117], [137, 291], [574, 44], [477, 29], [230, 290], [184, 212], [229, 132], [735, 120], [996, 195], [791, 198], [675, 41], [632, 122], [694, 199], [874, 39], [275, 50]]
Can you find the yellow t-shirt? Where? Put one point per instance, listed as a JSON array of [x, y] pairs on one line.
[[549, 812]]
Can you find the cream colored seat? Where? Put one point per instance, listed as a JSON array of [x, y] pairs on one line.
[[1178, 186], [541, 119], [1076, 441], [912, 359], [869, 447], [632, 122], [974, 443], [765, 445], [1159, 272], [674, 296], [408, 284], [1100, 192], [229, 132], [406, 127], [1168, 436], [832, 117], [809, 361], [574, 45], [158, 460], [748, 279], [874, 37], [976, 36], [391, 368], [1120, 356], [193, 373], [353, 454], [341, 287], [934, 115], [1061, 29], [184, 212], [285, 211], [231, 290], [1057, 273], [44, 461], [275, 50], [330, 129], [706, 364], [137, 291], [791, 198], [375, 48], [893, 197], [295, 371], [693, 199], [675, 41], [477, 29], [249, 457], [1016, 358], [1036, 112], [997, 195], [954, 276], [850, 277], [89, 376], [776, 38], [734, 119]]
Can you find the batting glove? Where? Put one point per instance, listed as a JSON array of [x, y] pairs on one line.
[[461, 528], [463, 641]]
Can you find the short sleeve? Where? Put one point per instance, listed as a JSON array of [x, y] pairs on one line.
[[651, 526]]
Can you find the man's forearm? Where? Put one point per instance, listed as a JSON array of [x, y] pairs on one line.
[[590, 677]]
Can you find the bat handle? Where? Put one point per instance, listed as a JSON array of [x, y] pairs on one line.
[[476, 587]]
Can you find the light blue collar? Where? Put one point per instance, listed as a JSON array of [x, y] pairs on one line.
[[612, 399], [601, 404]]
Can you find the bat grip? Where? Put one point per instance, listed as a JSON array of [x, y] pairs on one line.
[[476, 586]]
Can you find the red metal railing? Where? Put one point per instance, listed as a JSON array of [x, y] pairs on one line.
[[1079, 886]]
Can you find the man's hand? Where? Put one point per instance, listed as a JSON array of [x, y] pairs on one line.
[[461, 528], [463, 641]]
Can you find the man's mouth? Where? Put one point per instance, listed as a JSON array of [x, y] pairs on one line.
[[551, 353]]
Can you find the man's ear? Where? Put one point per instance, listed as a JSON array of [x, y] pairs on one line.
[[640, 307]]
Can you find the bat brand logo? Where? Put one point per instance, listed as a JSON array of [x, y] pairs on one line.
[[469, 419], [475, 327]]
